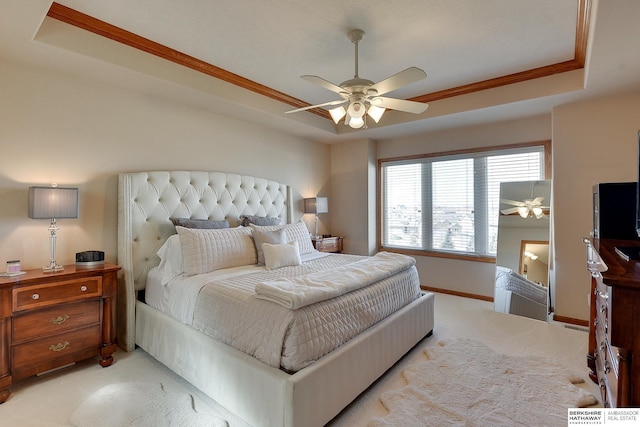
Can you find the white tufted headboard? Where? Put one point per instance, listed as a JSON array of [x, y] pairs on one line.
[[146, 201]]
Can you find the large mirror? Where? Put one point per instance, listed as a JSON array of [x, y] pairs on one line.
[[522, 260]]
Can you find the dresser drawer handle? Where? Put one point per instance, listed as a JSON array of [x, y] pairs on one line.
[[59, 320], [35, 296], [607, 367], [603, 309], [602, 346], [602, 294], [83, 288], [59, 347]]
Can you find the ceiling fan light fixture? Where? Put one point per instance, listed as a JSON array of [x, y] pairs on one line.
[[337, 114], [356, 110], [523, 211], [375, 113], [356, 122], [537, 211]]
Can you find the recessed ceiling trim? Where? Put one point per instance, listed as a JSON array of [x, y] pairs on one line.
[[96, 26], [104, 29]]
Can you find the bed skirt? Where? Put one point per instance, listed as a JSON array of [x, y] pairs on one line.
[[266, 396]]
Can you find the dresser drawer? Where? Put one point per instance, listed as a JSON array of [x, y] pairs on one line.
[[46, 294], [55, 320], [58, 346]]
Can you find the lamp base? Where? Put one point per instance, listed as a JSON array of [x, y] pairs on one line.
[[53, 267]]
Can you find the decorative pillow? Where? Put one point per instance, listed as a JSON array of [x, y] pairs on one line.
[[170, 254], [246, 220], [297, 231], [206, 250], [199, 223], [263, 236], [282, 255]]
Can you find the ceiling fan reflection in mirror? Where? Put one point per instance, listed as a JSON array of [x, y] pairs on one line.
[[362, 97]]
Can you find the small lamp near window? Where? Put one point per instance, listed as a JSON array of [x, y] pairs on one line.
[[53, 203], [316, 205]]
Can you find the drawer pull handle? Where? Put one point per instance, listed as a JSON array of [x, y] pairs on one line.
[[602, 346], [59, 320], [59, 347], [35, 296], [83, 288], [602, 294], [603, 309], [607, 367]]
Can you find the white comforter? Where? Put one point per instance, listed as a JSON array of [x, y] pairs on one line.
[[301, 291], [227, 309]]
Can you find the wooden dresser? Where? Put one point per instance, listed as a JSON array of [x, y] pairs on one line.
[[614, 324], [49, 320]]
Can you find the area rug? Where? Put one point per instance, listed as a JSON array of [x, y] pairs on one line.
[[141, 404], [464, 383]]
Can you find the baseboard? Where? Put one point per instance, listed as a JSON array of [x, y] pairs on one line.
[[570, 320], [456, 293]]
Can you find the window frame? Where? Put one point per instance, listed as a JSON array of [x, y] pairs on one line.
[[545, 144]]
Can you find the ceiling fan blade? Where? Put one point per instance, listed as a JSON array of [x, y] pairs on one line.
[[509, 211], [512, 202], [537, 200], [403, 78], [399, 104], [324, 83], [336, 102]]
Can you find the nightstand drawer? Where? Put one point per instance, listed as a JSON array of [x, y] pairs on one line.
[[58, 346], [328, 244], [55, 320], [46, 294]]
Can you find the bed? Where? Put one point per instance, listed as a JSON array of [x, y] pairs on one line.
[[516, 294], [311, 392]]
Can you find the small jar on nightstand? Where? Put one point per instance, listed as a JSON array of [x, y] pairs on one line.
[[332, 244]]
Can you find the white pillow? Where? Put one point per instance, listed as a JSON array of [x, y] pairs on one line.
[[297, 231], [281, 255], [264, 236], [206, 250], [170, 254]]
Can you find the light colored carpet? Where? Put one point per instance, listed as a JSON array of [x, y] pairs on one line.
[[141, 404], [462, 382]]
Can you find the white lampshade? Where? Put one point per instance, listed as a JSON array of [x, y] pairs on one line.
[[523, 211], [375, 113], [356, 122], [356, 109], [537, 211], [316, 205], [337, 114]]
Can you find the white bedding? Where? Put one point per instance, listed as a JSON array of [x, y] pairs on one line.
[[227, 309], [508, 280], [297, 292]]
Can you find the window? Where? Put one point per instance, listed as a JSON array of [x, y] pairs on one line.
[[449, 202]]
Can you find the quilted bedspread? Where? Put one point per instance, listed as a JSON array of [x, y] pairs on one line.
[[229, 311]]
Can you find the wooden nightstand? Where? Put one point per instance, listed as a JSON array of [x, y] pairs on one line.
[[49, 320], [328, 244]]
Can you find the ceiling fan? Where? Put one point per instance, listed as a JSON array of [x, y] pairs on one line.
[[364, 96], [526, 208]]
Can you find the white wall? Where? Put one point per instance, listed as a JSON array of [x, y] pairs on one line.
[[76, 132], [353, 195], [595, 141], [470, 277]]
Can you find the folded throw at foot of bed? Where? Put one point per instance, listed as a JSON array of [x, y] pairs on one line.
[[304, 290]]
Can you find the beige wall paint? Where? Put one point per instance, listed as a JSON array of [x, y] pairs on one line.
[[595, 141], [73, 131], [353, 195]]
